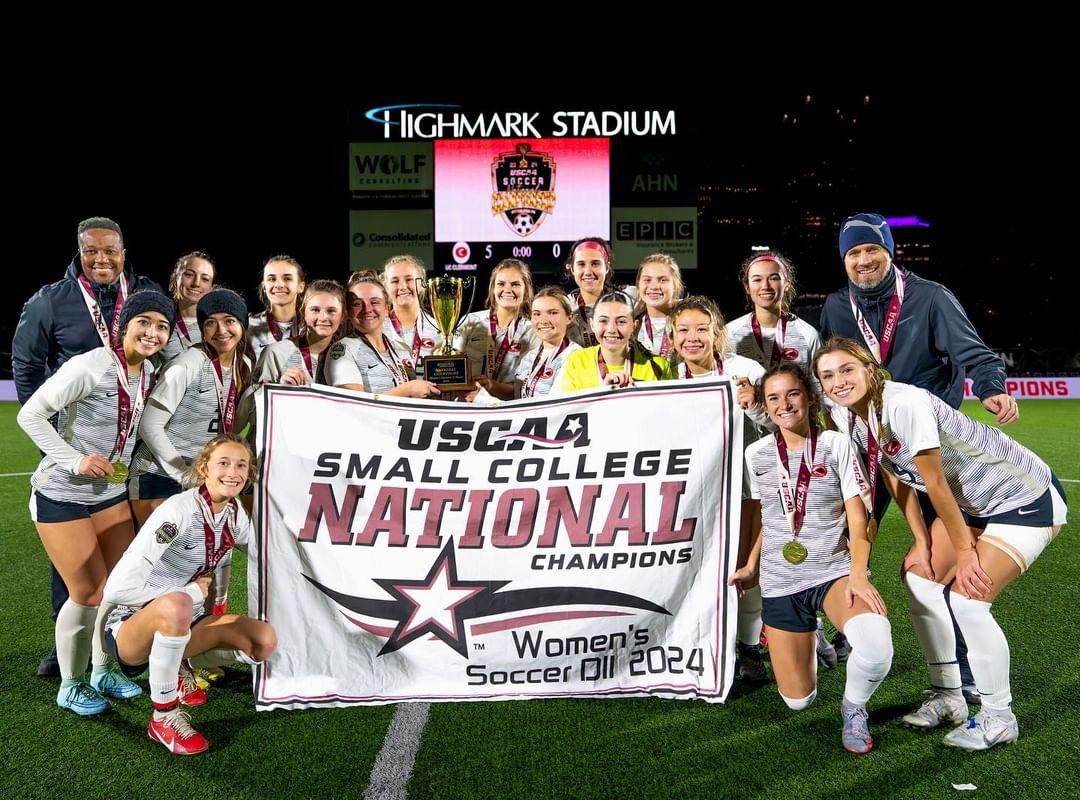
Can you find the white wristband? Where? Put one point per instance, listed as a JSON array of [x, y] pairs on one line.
[[195, 593]]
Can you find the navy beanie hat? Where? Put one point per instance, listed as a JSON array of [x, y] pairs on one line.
[[147, 300], [866, 229], [221, 301]]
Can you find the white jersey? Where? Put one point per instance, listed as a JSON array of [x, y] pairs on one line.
[[354, 361], [188, 390], [660, 331], [404, 342], [987, 472], [755, 421], [177, 344], [84, 395], [801, 341], [261, 335], [537, 371], [832, 482], [169, 551], [580, 329], [281, 356], [474, 340]]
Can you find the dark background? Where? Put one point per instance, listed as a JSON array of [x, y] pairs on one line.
[[246, 174]]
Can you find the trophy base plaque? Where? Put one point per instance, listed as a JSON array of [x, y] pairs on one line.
[[449, 373]]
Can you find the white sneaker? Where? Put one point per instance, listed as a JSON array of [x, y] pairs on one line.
[[983, 731], [940, 707]]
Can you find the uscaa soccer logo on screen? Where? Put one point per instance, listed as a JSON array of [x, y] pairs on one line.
[[523, 188]]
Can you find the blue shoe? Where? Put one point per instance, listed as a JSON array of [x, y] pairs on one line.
[[82, 698], [114, 683], [856, 733]]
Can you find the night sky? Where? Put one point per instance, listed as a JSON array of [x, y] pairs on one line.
[[258, 172]]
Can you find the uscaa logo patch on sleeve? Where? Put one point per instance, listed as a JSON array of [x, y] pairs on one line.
[[166, 533]]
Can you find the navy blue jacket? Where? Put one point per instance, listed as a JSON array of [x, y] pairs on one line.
[[935, 342], [55, 326]]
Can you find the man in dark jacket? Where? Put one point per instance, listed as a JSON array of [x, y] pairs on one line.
[[921, 332], [917, 330], [72, 316]]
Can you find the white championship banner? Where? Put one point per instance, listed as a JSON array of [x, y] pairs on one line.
[[572, 547]]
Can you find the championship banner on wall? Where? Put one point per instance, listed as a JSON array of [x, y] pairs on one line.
[[572, 547]]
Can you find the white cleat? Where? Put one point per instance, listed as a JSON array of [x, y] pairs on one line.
[[983, 731], [938, 709]]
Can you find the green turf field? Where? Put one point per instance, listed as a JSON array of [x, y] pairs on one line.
[[751, 747]]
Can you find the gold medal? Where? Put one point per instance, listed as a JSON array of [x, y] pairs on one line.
[[794, 552], [871, 530], [119, 473]]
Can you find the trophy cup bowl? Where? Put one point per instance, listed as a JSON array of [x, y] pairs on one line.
[[447, 368]]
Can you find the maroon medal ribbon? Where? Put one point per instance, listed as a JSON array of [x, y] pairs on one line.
[[214, 554], [226, 400], [182, 332], [665, 343], [396, 368], [588, 340], [495, 359], [880, 348], [109, 334], [777, 354], [127, 418], [795, 507], [542, 370], [688, 375]]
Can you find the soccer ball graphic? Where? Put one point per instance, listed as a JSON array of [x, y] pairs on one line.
[[523, 224]]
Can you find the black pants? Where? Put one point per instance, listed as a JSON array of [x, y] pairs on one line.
[[58, 592]]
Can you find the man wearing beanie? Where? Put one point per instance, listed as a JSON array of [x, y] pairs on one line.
[[73, 316], [919, 332], [932, 343]]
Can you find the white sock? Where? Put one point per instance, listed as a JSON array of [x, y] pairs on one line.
[[871, 655], [220, 657], [749, 625], [933, 626], [988, 652], [74, 630], [802, 703], [165, 655], [99, 659], [220, 594]]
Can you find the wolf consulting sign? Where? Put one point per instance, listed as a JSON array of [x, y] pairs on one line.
[[569, 547]]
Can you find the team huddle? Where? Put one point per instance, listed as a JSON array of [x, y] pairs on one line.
[[142, 405]]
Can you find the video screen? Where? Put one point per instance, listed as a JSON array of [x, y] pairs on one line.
[[521, 198]]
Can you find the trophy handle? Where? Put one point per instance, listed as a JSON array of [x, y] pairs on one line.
[[471, 280], [466, 281]]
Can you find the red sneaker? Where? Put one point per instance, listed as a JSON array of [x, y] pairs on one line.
[[187, 689], [175, 732]]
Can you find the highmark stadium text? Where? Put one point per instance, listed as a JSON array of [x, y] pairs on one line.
[[420, 121]]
